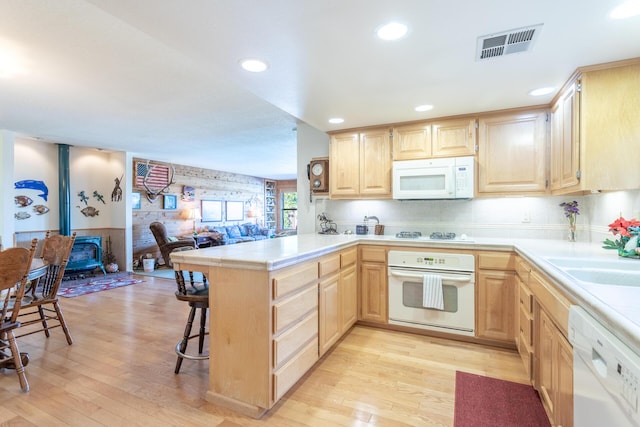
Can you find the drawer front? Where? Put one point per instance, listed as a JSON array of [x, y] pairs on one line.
[[289, 342], [373, 254], [496, 261], [348, 257], [329, 264], [526, 327], [293, 308], [523, 270], [294, 278], [294, 369], [526, 298]]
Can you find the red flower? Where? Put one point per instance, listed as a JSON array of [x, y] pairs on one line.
[[621, 226]]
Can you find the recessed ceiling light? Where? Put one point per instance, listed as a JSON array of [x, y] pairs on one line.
[[626, 10], [541, 91], [336, 120], [254, 65], [425, 107], [392, 31]]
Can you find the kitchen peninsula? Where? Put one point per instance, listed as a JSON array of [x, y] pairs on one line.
[[278, 305]]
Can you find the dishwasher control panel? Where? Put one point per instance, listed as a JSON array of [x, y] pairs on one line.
[[629, 386]]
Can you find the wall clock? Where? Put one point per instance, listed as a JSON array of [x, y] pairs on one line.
[[319, 176]]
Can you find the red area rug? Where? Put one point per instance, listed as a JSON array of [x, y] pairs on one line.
[[483, 401], [74, 288]]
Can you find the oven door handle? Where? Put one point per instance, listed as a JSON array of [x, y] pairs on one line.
[[449, 278]]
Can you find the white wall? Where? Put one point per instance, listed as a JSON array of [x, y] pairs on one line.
[[311, 143], [7, 223], [36, 160]]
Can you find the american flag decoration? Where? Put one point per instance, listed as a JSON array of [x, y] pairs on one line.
[[158, 175]]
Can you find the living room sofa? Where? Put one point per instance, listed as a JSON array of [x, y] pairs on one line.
[[242, 233]]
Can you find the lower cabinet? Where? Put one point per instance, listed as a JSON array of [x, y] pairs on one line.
[[496, 297], [373, 285], [554, 371], [348, 297], [338, 302]]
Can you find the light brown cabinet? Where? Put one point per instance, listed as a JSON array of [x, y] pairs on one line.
[[553, 355], [496, 300], [595, 128], [524, 328], [555, 370], [442, 138], [360, 165], [565, 131], [373, 284], [338, 290], [295, 326], [348, 289], [512, 153]]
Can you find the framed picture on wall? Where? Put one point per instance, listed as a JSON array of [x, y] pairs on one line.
[[135, 200], [211, 210], [170, 201], [235, 211]]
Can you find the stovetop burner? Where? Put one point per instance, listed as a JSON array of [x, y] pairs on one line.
[[409, 234], [438, 235]]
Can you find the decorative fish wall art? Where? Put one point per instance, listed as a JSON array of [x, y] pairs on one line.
[[89, 211], [31, 184], [40, 209], [21, 215], [22, 201]]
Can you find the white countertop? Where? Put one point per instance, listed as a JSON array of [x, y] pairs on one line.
[[616, 307]]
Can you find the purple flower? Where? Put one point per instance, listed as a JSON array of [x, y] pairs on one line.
[[570, 211]]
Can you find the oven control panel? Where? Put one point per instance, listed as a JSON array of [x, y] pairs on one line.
[[432, 260]]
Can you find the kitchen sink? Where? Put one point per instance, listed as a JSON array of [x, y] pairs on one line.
[[617, 263], [616, 271], [605, 276]]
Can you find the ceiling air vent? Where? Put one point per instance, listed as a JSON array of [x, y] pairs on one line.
[[507, 42]]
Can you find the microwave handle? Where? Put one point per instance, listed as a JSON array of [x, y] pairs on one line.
[[444, 277]]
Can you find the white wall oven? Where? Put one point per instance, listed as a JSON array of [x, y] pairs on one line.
[[433, 291]]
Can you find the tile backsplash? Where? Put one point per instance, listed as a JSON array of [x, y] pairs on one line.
[[519, 217]]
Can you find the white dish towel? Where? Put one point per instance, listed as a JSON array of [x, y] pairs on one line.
[[432, 291]]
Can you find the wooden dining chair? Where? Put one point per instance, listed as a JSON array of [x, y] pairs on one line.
[[40, 305], [196, 294], [15, 264]]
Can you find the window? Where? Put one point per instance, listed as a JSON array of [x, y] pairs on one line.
[[289, 211]]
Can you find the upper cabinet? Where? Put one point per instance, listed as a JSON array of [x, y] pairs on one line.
[[360, 165], [595, 130], [511, 155], [442, 138]]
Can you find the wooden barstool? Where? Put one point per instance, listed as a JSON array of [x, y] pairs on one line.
[[197, 296]]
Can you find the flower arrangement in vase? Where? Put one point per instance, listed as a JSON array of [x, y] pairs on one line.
[[570, 211], [627, 244]]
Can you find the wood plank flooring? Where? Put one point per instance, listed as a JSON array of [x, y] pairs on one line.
[[119, 372]]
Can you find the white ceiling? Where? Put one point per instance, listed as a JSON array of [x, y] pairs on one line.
[[160, 78]]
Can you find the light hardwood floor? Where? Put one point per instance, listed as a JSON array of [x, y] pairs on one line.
[[119, 371]]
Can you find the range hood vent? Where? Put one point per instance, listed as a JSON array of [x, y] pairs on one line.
[[507, 42]]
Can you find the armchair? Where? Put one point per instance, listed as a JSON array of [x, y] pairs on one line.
[[167, 245]]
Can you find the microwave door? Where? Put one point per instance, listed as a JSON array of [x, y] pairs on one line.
[[425, 183]]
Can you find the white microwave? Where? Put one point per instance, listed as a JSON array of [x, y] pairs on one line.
[[447, 178]]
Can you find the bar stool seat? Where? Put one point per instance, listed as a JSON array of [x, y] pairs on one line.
[[196, 294]]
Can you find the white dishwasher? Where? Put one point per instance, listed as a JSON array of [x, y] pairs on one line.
[[605, 374]]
